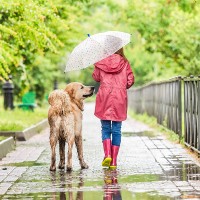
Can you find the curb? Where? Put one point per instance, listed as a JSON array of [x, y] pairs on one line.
[[26, 133], [6, 146], [31, 131]]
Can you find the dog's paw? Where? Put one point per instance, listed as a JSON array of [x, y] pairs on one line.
[[52, 168], [61, 166], [84, 166], [69, 169]]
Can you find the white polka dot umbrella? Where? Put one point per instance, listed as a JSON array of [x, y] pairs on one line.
[[95, 48]]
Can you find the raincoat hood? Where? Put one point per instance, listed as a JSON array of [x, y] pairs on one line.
[[112, 64]]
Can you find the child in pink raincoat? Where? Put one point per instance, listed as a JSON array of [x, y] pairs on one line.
[[115, 76]]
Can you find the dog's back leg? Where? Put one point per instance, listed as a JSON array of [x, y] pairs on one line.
[[54, 133], [79, 146], [62, 153], [68, 134], [70, 141]]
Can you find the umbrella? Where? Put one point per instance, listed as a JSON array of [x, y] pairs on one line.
[[95, 48]]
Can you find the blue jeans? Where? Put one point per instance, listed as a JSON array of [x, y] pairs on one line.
[[113, 128]]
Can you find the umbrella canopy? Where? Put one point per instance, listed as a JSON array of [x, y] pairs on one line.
[[95, 48]]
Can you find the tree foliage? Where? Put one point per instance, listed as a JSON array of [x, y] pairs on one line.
[[169, 31], [36, 35], [165, 35]]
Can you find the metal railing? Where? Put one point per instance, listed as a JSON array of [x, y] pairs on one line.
[[192, 112], [168, 104], [165, 100]]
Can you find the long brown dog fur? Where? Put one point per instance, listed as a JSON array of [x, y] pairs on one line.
[[65, 120]]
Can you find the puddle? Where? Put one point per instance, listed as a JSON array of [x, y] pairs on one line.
[[78, 186], [139, 178], [38, 183], [183, 172], [107, 194], [143, 133]]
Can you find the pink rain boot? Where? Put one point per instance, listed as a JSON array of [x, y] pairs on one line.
[[115, 150], [107, 151]]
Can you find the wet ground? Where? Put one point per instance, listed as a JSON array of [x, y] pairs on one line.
[[149, 167]]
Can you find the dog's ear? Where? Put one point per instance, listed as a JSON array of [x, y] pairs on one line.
[[70, 90], [71, 93]]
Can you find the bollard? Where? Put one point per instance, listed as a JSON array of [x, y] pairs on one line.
[[55, 84], [8, 89]]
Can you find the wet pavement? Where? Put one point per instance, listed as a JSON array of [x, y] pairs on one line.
[[149, 167]]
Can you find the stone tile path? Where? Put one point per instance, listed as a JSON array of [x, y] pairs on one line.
[[149, 167]]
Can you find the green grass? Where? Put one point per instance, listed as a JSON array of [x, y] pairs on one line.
[[152, 122], [18, 120]]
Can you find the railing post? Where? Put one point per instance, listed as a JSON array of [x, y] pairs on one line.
[[198, 128], [180, 107], [8, 89], [191, 110]]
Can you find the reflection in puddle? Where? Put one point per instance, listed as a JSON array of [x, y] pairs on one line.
[[76, 186], [67, 181], [112, 189], [182, 172]]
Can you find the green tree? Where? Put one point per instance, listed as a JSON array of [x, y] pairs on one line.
[[34, 36]]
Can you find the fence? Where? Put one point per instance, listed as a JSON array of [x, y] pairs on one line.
[[192, 112], [165, 100]]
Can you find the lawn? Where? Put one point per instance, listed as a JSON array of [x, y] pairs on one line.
[[18, 120]]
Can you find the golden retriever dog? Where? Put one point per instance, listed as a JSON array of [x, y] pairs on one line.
[[65, 120]]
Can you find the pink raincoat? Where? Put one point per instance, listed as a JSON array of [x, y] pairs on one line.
[[115, 76]]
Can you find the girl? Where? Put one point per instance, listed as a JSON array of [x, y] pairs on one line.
[[115, 76]]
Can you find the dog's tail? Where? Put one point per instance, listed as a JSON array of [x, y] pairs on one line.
[[60, 100]]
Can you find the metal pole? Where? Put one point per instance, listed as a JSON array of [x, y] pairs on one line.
[[180, 122], [8, 89], [198, 131], [55, 84]]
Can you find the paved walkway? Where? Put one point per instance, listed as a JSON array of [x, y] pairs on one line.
[[149, 167]]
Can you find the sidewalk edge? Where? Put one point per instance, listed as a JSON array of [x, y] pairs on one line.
[[6, 146]]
